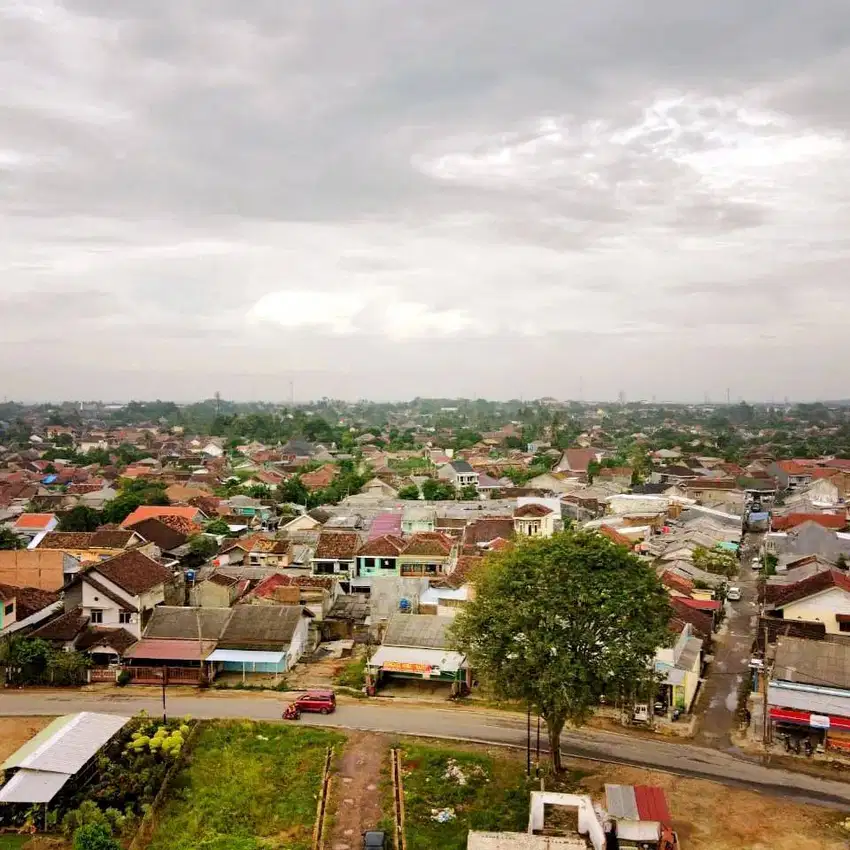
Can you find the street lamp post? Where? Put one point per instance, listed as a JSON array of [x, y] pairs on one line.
[[163, 674]]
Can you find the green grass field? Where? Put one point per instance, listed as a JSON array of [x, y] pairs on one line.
[[247, 786], [13, 842], [495, 795]]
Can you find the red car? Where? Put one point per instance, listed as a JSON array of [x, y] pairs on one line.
[[320, 702]]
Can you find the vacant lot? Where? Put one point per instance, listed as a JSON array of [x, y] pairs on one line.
[[494, 795], [15, 731], [709, 816], [465, 789], [248, 786]]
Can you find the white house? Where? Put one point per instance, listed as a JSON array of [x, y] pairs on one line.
[[120, 592], [459, 474], [820, 598]]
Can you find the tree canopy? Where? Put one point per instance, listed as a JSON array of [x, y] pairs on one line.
[[10, 540], [80, 518], [557, 623], [437, 491]]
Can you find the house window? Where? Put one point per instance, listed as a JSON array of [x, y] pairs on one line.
[[368, 562], [844, 627], [9, 609], [96, 616], [125, 617], [387, 564]]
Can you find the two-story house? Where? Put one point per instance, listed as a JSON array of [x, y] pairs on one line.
[[122, 592], [379, 557], [534, 520], [335, 553], [459, 474], [257, 552], [426, 554]]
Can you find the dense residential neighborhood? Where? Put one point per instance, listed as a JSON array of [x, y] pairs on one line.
[[336, 546]]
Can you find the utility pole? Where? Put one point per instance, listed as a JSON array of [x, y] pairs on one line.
[[765, 680], [528, 742]]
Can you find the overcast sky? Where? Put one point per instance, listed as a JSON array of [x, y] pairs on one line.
[[385, 199]]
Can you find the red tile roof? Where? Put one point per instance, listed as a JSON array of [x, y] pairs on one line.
[[158, 512], [702, 604], [268, 586], [702, 623], [429, 544], [34, 521], [133, 571], [839, 463], [674, 581], [818, 474], [386, 546], [579, 459], [810, 586], [791, 467], [613, 534], [532, 510], [337, 545], [832, 521]]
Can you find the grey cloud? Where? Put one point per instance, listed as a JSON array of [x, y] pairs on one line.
[[165, 166]]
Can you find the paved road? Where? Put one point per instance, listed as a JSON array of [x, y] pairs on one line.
[[455, 722], [718, 701]]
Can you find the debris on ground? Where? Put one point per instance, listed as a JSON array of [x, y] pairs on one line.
[[455, 773], [443, 815]]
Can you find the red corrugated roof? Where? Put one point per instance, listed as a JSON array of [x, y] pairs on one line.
[[652, 804], [161, 649], [385, 524], [702, 604]]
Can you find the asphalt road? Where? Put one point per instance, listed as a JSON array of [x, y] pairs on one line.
[[718, 702], [459, 723]]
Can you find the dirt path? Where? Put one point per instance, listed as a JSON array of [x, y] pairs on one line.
[[16, 731], [356, 797]]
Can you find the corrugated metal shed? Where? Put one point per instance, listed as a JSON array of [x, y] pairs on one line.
[[620, 802], [46, 734], [51, 758], [33, 786], [652, 803], [71, 745], [247, 656]]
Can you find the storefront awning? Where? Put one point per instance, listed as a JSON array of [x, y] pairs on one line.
[[405, 659], [247, 656], [808, 718]]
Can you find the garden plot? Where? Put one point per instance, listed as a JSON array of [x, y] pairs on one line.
[[246, 786]]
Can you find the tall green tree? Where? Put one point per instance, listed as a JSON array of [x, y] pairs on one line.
[[437, 491], [559, 622], [10, 540], [80, 518]]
